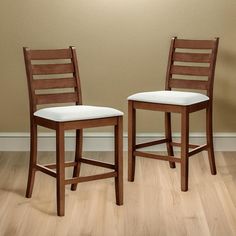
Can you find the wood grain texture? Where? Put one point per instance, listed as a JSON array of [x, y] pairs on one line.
[[56, 98], [54, 83], [194, 44], [192, 57], [154, 204], [188, 84], [48, 69], [190, 70], [50, 54]]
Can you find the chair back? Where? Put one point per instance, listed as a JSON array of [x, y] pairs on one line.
[[191, 64], [53, 77]]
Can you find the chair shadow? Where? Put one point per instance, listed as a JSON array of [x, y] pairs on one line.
[[34, 203], [19, 192]]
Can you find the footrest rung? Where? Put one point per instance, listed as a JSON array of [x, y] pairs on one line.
[[198, 149], [91, 177], [67, 164], [46, 170], [155, 156], [175, 144], [97, 163], [152, 143]]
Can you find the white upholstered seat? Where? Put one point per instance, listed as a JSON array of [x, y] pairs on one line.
[[169, 97], [78, 112]]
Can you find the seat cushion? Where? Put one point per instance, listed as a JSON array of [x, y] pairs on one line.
[[77, 112], [169, 97]]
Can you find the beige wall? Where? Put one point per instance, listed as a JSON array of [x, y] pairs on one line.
[[122, 47]]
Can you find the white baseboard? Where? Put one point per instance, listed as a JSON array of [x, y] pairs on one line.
[[104, 141]]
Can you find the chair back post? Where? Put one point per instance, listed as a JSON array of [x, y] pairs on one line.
[[212, 69], [170, 63], [32, 99], [76, 75]]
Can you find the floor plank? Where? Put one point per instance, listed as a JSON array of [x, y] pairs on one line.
[[153, 204]]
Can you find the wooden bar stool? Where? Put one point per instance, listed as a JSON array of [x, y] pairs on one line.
[[194, 61], [43, 68]]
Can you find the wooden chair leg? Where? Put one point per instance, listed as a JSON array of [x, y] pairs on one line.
[[168, 135], [209, 134], [33, 160], [119, 161], [131, 140], [60, 159], [184, 149], [78, 155]]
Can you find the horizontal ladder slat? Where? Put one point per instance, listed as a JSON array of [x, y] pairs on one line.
[[148, 144], [48, 69], [46, 170], [155, 156], [190, 70], [91, 178], [97, 163], [67, 164], [198, 149], [56, 98], [50, 54], [194, 44], [192, 57], [190, 84], [54, 83]]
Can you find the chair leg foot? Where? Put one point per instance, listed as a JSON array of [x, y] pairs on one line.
[[73, 187], [60, 210], [119, 191], [78, 155], [168, 135], [131, 168], [30, 184], [131, 179], [61, 200], [209, 133], [75, 174], [184, 189], [172, 165], [33, 160], [184, 175], [60, 206], [211, 158]]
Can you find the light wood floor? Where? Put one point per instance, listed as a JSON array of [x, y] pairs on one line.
[[154, 204]]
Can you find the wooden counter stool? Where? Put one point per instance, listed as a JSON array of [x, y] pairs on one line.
[[50, 89], [194, 61]]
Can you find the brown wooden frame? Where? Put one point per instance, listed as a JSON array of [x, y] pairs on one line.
[[176, 55], [35, 99]]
